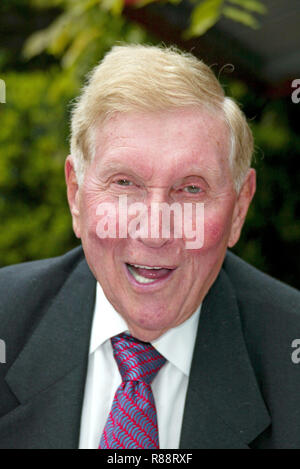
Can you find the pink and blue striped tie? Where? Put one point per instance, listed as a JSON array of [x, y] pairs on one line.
[[132, 422]]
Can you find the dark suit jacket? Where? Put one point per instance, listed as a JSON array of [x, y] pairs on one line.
[[244, 389]]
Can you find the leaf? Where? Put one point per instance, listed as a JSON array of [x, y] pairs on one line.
[[114, 6], [79, 44], [79, 7], [252, 5], [55, 37], [36, 44], [241, 16], [203, 17]]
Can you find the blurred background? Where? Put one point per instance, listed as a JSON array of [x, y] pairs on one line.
[[48, 46]]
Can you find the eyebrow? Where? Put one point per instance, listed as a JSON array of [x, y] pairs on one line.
[[115, 166], [119, 167]]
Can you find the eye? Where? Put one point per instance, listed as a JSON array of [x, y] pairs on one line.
[[192, 189], [124, 182]]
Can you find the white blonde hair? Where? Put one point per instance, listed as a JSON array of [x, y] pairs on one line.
[[151, 78]]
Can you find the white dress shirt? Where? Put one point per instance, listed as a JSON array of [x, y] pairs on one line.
[[103, 377]]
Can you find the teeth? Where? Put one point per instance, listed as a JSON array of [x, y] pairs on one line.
[[145, 267], [138, 277]]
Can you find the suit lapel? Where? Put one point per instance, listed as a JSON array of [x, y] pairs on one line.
[[48, 377], [224, 407]]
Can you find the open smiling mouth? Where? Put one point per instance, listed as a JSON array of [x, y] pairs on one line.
[[148, 274]]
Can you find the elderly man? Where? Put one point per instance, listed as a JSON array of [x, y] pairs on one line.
[[151, 335]]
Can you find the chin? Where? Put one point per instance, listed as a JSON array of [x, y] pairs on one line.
[[150, 323]]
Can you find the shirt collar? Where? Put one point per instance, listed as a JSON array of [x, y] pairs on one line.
[[176, 345]]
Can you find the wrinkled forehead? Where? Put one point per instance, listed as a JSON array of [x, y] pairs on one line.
[[179, 137]]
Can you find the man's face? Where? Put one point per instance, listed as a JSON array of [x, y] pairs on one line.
[[173, 156]]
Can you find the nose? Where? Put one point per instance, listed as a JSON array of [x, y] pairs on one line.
[[154, 242], [159, 222]]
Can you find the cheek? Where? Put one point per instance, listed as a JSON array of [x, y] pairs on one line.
[[212, 229], [95, 211], [216, 231], [206, 258], [217, 224], [213, 233], [100, 227]]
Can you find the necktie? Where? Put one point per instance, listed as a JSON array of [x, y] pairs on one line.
[[132, 422]]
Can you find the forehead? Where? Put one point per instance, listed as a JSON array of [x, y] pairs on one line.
[[166, 141]]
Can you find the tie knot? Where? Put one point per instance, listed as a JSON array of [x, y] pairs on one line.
[[137, 360]]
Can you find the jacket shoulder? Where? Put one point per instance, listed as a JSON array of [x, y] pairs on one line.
[[255, 289], [26, 274], [25, 289], [270, 320]]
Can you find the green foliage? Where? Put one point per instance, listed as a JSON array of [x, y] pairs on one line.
[[242, 16], [207, 13], [33, 146], [251, 5], [204, 16], [82, 33], [85, 23], [34, 130], [270, 237]]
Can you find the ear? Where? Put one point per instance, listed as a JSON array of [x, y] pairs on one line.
[[73, 194], [241, 207]]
